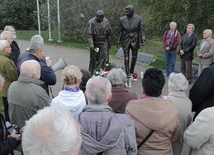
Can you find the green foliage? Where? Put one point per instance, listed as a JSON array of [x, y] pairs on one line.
[[20, 13], [74, 16], [198, 12]]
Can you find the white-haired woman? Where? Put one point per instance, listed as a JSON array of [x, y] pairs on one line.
[[120, 95], [71, 96], [8, 71], [177, 85]]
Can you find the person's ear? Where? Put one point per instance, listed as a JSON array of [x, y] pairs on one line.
[[110, 96]]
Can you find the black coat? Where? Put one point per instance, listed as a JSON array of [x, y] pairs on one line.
[[202, 92], [15, 51], [7, 145], [188, 45], [132, 34]]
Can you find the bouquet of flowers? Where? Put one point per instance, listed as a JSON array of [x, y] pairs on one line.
[[104, 69]]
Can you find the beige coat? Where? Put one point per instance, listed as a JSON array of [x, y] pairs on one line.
[[184, 106], [207, 52], [154, 114]]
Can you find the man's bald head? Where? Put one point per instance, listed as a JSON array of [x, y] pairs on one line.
[[30, 68], [129, 11]]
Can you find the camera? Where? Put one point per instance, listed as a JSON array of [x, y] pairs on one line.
[[171, 42], [10, 128]]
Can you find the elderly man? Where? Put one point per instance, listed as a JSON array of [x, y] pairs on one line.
[[131, 35], [60, 133], [14, 46], [102, 130], [26, 95], [7, 35], [205, 51], [187, 46], [98, 31], [171, 39], [47, 74], [24, 54]]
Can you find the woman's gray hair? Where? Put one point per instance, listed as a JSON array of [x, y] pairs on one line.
[[177, 82], [3, 44], [98, 90], [116, 76]]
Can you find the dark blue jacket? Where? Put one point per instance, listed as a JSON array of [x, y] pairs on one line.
[[47, 73]]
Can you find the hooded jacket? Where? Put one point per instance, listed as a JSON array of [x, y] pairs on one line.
[[104, 131], [155, 114], [74, 101]]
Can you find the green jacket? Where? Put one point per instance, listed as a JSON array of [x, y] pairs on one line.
[[8, 71]]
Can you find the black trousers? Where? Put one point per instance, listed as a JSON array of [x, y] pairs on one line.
[[130, 70], [6, 114]]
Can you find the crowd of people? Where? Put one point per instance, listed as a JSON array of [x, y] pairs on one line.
[[98, 115]]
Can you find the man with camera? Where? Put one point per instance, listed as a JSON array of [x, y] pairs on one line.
[[7, 143], [171, 39], [187, 46]]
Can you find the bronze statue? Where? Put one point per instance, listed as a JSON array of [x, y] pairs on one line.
[[131, 35], [98, 31]]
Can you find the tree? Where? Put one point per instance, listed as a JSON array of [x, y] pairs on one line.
[[19, 13]]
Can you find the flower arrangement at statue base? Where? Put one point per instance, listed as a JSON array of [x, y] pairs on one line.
[[104, 69]]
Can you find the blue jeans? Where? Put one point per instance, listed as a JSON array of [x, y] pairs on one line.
[[170, 58]]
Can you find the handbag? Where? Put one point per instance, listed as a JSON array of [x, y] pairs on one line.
[[145, 139]]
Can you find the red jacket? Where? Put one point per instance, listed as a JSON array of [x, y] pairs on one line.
[[171, 41]]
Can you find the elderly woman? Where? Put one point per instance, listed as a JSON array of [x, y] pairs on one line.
[[8, 71], [120, 95], [71, 96], [155, 118], [177, 85]]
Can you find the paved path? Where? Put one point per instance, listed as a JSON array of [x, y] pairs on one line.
[[80, 58]]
